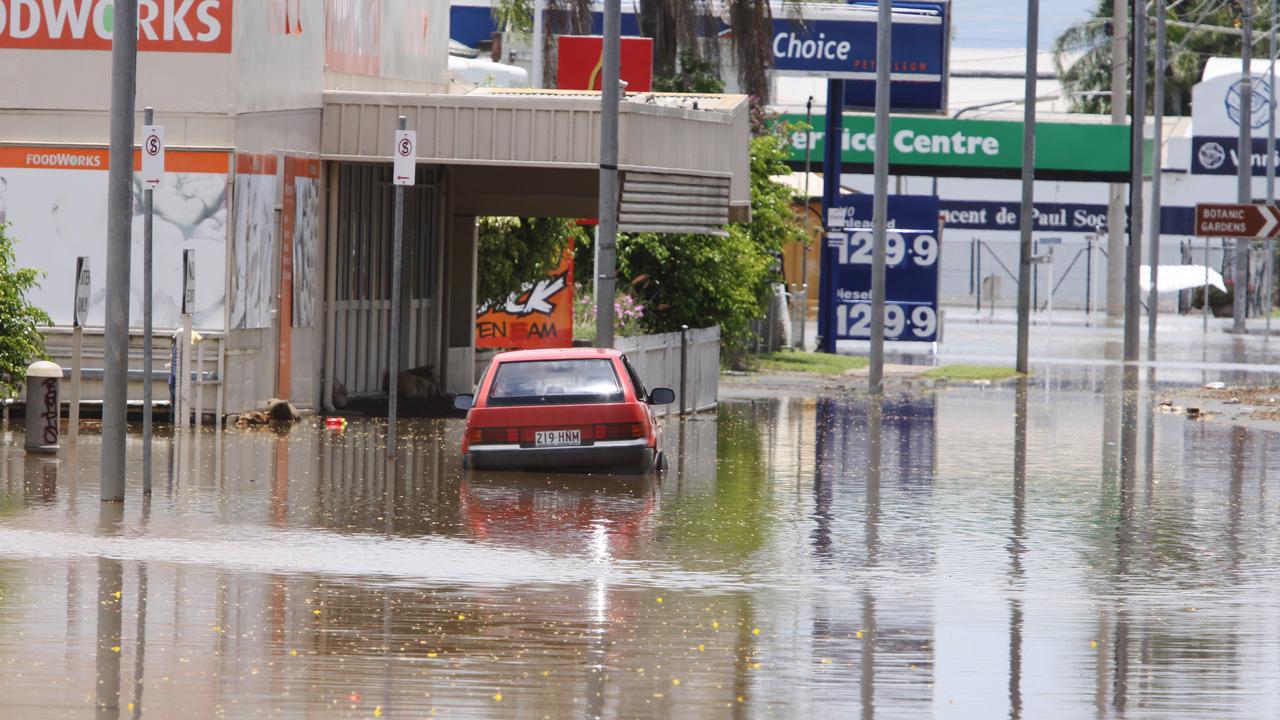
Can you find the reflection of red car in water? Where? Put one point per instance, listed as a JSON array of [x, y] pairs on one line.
[[556, 516], [565, 408]]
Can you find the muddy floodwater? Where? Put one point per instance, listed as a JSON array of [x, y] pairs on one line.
[[1064, 549]]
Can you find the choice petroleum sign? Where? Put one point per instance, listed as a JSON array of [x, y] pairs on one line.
[[163, 25]]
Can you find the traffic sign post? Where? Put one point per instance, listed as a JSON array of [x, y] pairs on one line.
[[152, 174], [404, 170], [184, 350], [78, 315], [1237, 220]]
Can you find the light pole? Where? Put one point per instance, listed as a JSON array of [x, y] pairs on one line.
[[1132, 293], [1025, 219], [880, 206], [1244, 169], [1157, 171]]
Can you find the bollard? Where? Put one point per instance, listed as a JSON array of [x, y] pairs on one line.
[[43, 406], [684, 366]]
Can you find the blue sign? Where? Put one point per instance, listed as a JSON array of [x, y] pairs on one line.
[[839, 41], [1061, 217], [911, 269], [1221, 155]]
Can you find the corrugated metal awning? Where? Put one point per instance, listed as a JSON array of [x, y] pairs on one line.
[[665, 202]]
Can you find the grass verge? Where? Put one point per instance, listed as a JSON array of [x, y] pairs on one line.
[[807, 362], [971, 372]]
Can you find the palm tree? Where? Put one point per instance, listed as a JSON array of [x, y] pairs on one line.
[[1083, 52]]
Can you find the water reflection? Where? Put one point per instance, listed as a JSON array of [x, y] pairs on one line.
[[803, 557]]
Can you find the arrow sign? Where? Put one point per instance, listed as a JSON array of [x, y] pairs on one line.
[[1237, 220], [152, 155], [406, 157]]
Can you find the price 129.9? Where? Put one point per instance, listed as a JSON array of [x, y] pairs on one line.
[[855, 248], [919, 322]]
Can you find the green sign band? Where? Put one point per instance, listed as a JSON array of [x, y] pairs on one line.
[[977, 144]]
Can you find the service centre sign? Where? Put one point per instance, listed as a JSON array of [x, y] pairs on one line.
[[163, 25], [839, 41], [1082, 148]]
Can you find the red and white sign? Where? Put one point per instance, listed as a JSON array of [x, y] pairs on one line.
[[1237, 220], [579, 62], [163, 25], [406, 157]]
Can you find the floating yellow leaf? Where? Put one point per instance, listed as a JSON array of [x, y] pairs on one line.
[[740, 699], [497, 697], [715, 624], [755, 631], [116, 594], [293, 653], [1093, 644], [659, 599], [316, 611], [115, 648], [702, 648], [858, 634], [825, 661], [377, 712], [461, 616], [675, 681]]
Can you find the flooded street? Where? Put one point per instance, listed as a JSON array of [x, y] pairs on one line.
[[1059, 549]]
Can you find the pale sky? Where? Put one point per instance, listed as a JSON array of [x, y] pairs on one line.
[[1003, 23]]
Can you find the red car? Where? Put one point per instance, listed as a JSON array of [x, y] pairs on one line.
[[571, 408]]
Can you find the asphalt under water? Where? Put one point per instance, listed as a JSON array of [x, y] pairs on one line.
[[1057, 549]]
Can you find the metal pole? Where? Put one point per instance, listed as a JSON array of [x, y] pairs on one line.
[[1132, 290], [1244, 169], [1205, 296], [148, 116], [684, 368], [977, 251], [538, 7], [832, 167], [1271, 153], [1157, 171], [1115, 210], [880, 206], [808, 205], [393, 370], [608, 227], [1088, 278], [1028, 185], [77, 360], [115, 381]]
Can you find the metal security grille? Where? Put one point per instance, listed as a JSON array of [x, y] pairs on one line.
[[362, 291], [673, 203]]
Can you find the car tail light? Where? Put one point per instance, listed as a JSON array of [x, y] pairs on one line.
[[494, 435], [619, 431]]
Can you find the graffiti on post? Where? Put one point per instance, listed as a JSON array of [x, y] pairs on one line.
[[50, 414]]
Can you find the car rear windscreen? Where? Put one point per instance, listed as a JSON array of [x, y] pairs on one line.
[[555, 382]]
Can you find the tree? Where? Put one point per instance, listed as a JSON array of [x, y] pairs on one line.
[[20, 321], [1083, 52], [702, 280], [680, 29], [513, 252]]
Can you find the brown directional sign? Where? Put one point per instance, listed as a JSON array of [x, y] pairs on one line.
[[1237, 220]]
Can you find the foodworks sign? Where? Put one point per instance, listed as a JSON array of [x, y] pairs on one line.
[[979, 145], [163, 25]]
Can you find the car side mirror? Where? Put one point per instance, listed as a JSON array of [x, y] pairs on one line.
[[662, 396], [463, 402]]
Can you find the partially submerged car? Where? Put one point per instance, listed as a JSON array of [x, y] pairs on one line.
[[572, 408]]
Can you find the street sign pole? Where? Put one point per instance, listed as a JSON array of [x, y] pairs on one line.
[[880, 209], [405, 172], [1025, 219], [1271, 152], [1132, 289], [1244, 169], [152, 173], [115, 378], [78, 314], [184, 350], [1157, 171]]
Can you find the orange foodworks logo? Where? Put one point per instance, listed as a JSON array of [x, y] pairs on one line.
[[163, 25]]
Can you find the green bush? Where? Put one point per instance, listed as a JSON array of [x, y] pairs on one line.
[[20, 338], [1217, 298]]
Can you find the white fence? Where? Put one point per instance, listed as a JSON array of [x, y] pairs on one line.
[[687, 362]]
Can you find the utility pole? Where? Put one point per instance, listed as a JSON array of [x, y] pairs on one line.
[[607, 239], [880, 206], [1132, 289], [810, 133], [538, 7], [1025, 219], [1244, 169], [1157, 170], [1115, 206], [115, 379], [1271, 154]]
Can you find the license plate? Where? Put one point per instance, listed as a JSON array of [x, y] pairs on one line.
[[556, 438]]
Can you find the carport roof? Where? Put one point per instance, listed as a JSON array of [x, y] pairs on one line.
[[693, 147]]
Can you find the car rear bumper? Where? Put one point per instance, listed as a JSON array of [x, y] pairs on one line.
[[634, 455]]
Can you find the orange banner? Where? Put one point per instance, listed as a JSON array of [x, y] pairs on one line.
[[540, 317], [198, 26], [57, 158]]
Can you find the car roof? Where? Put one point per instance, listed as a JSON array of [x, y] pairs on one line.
[[574, 353]]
